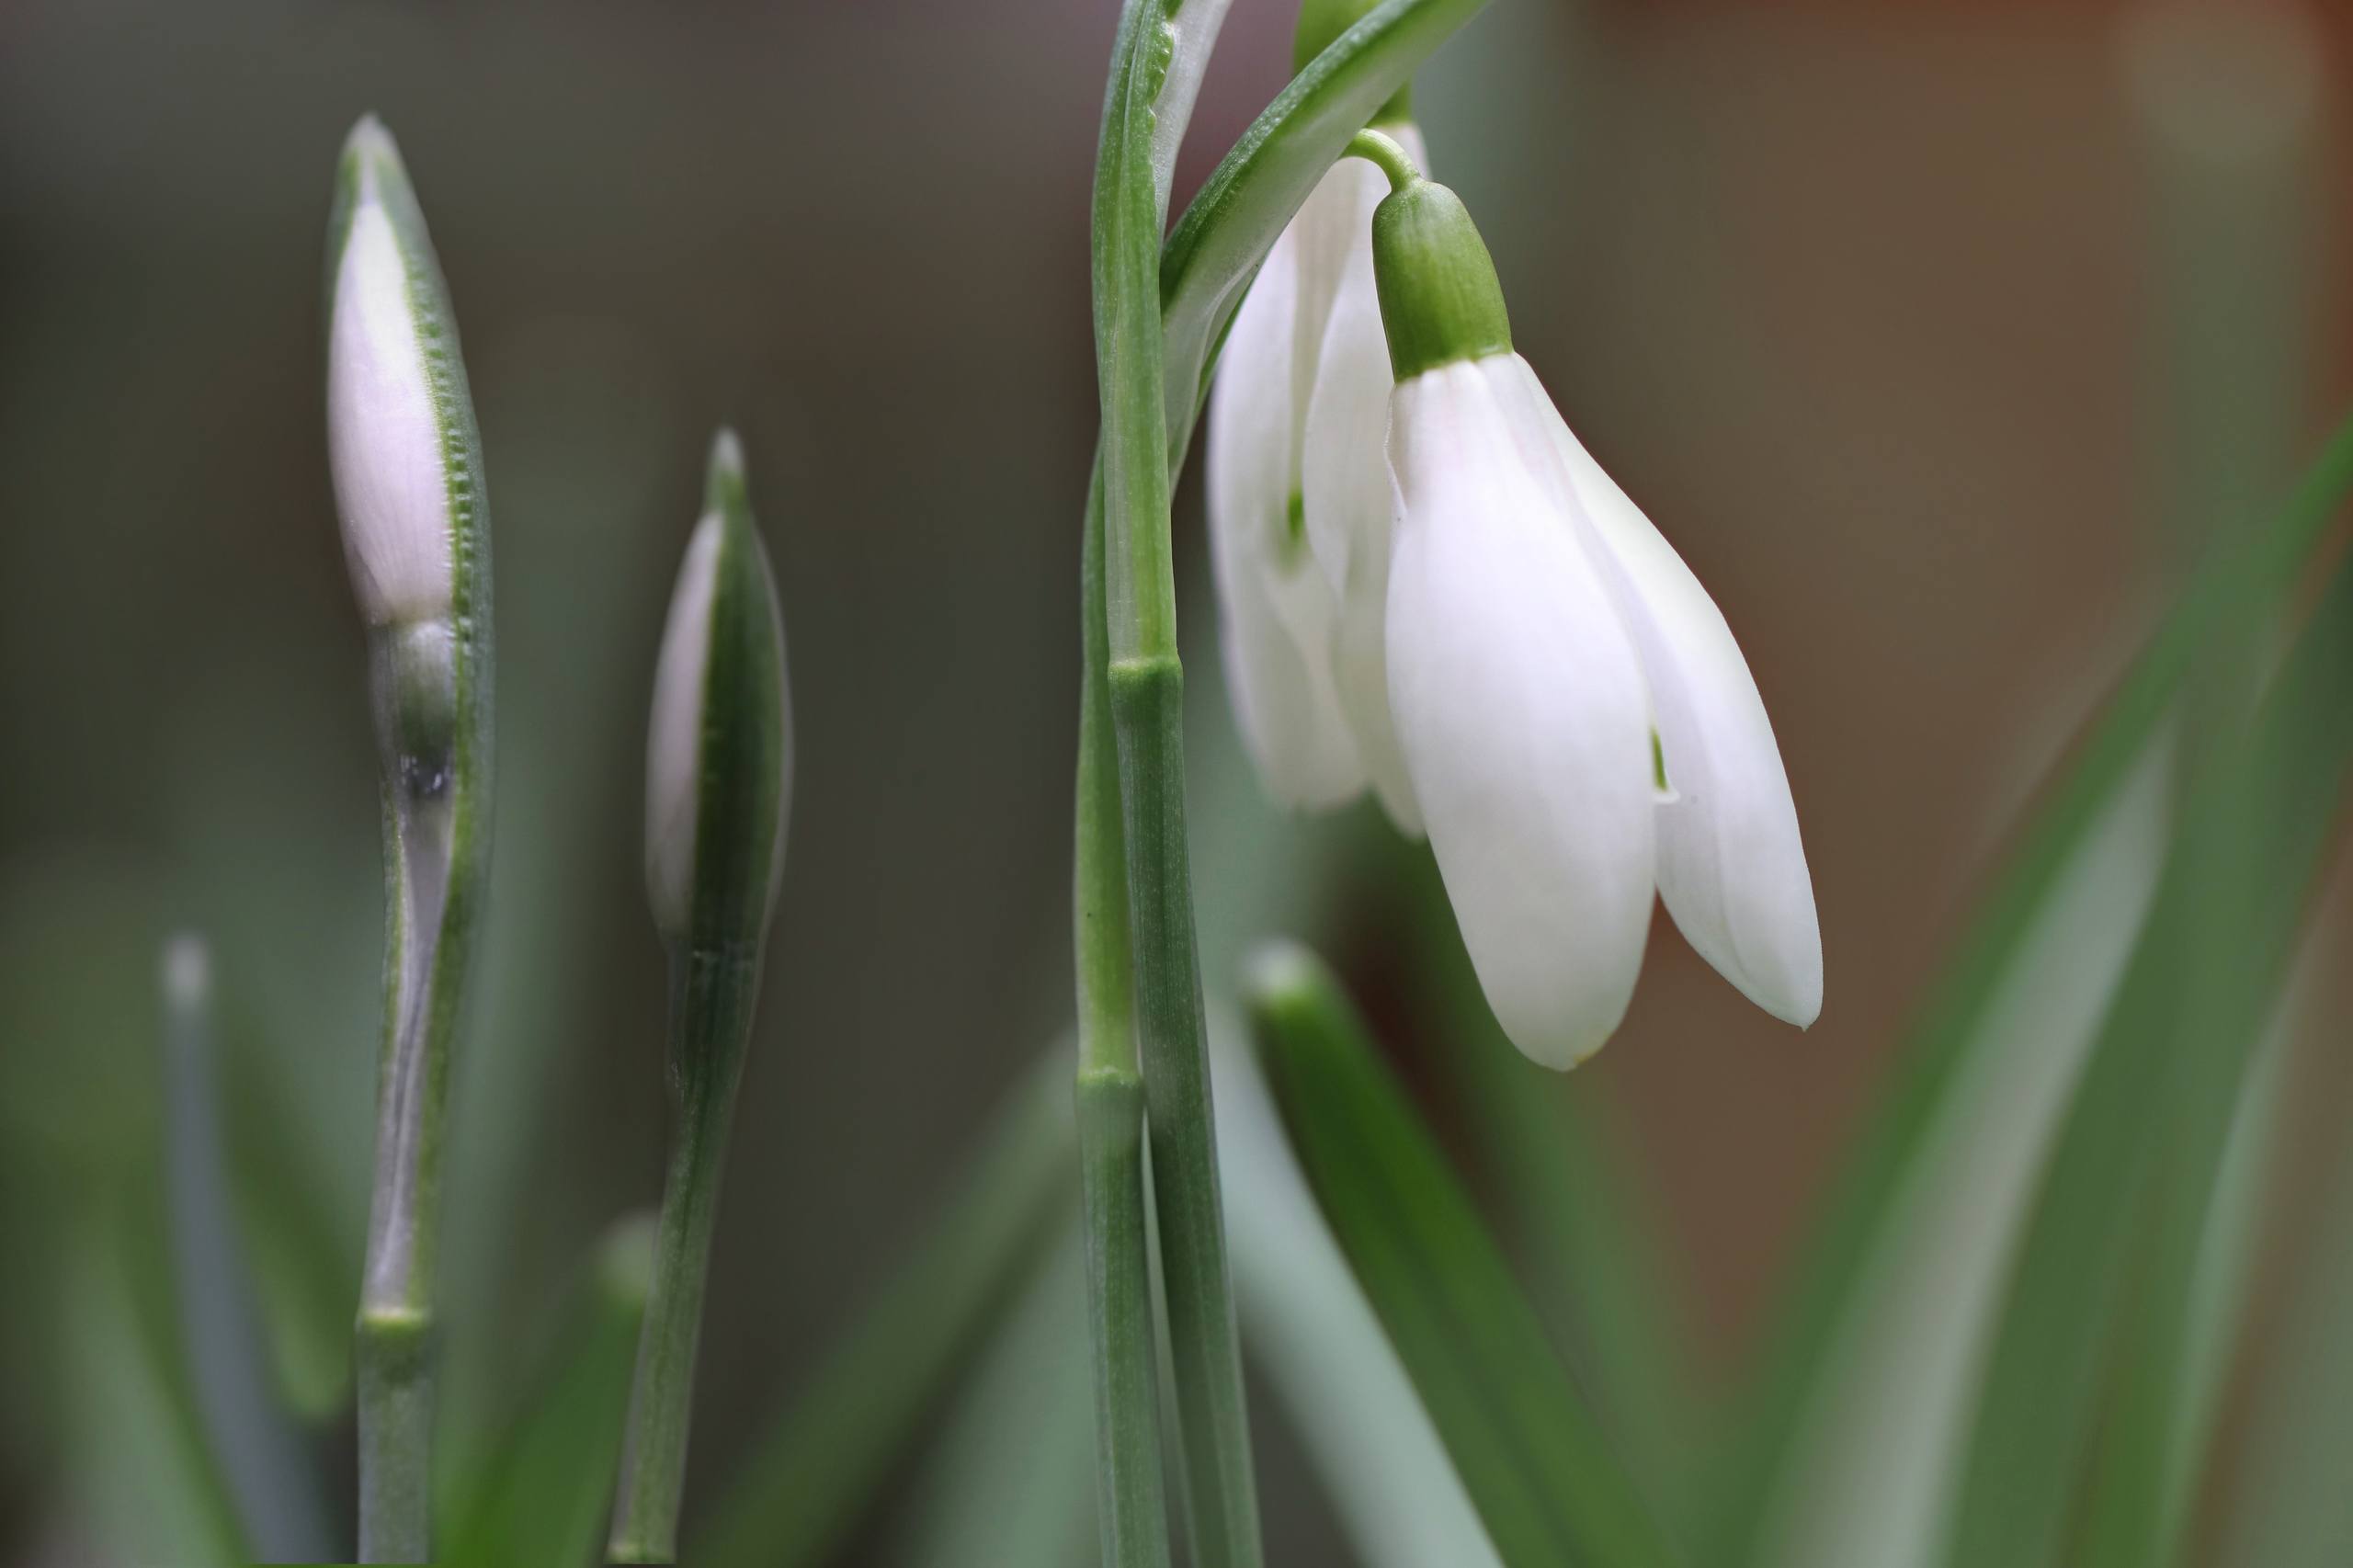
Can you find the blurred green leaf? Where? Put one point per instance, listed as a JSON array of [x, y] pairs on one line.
[[2292, 1508], [807, 1482], [305, 1261], [139, 1466], [1872, 1463], [1030, 1501], [1528, 1445], [2245, 580], [2168, 1066], [1585, 1232], [542, 1494]]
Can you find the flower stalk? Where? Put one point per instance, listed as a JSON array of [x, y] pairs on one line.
[[718, 793], [406, 457], [1145, 687]]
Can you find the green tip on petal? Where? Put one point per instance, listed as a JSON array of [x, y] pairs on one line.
[[1440, 301]]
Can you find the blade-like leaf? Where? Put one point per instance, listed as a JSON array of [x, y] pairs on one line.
[[1526, 1444], [1226, 232], [1575, 1209], [818, 1468], [542, 1496], [2292, 1508], [987, 1500], [2245, 580], [2199, 989]]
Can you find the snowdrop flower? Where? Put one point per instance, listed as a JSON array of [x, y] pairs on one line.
[[719, 750], [1578, 724], [1298, 498]]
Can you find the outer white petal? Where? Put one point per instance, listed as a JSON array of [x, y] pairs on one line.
[[1730, 865], [384, 436], [674, 736], [1277, 611], [1520, 701], [1349, 502]]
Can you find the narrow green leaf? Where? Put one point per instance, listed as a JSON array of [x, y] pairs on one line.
[[2180, 1034], [1130, 1506], [2245, 579], [2292, 1508], [1032, 1503], [1576, 1208], [1243, 207], [1526, 1442], [541, 1496], [817, 1470]]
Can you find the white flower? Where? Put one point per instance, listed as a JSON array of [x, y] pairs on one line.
[[721, 728], [1298, 506], [1579, 724], [385, 438]]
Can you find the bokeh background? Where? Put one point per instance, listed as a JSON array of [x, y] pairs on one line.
[[1936, 337]]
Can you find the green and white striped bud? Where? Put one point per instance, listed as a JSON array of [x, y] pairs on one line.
[[406, 460], [718, 752]]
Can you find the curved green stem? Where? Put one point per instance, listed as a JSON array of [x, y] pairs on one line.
[[712, 995], [1385, 154]]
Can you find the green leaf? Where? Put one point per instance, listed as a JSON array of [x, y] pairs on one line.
[[542, 1495], [982, 1499], [1529, 1447], [1226, 232], [2291, 1508], [821, 1462], [1576, 1208], [2198, 990], [2245, 580], [305, 1259]]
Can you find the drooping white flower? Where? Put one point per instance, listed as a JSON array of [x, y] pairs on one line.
[[390, 408], [1580, 726], [1298, 501], [719, 748]]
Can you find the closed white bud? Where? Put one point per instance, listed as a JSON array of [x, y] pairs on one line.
[[396, 424], [719, 749]]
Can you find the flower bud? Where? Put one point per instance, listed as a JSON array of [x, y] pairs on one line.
[[400, 424], [719, 750], [1440, 302]]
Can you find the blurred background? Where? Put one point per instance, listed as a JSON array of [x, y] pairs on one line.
[[1936, 337]]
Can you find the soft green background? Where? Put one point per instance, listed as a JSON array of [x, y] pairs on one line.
[[1892, 321]]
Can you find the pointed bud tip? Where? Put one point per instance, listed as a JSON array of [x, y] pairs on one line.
[[368, 149], [1283, 977], [725, 488]]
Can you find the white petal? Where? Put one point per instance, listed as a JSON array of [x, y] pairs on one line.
[[673, 737], [1730, 865], [1276, 610], [1520, 701], [1349, 501], [383, 435]]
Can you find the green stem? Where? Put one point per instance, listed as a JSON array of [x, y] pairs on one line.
[[392, 1349], [712, 994], [1147, 704], [1133, 1511], [1384, 154], [431, 849], [1146, 688]]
